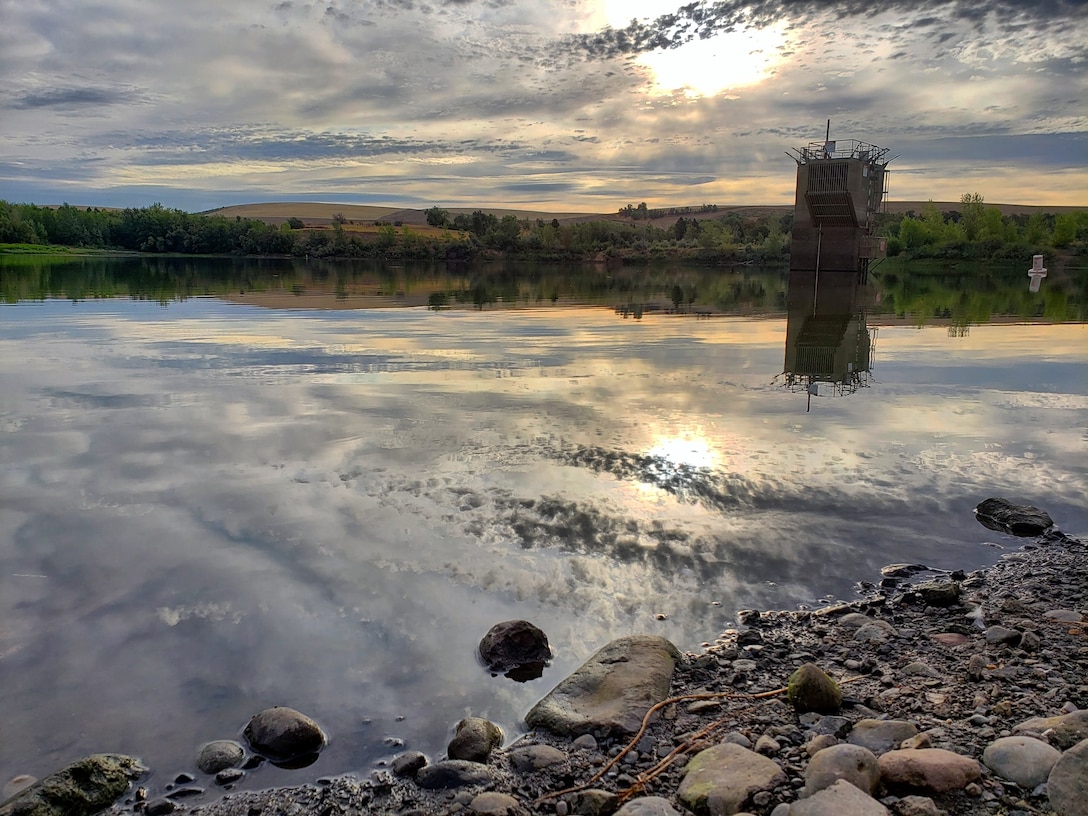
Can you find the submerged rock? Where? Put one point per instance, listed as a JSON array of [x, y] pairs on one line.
[[1015, 519], [516, 648], [219, 755], [283, 734], [611, 692], [85, 787]]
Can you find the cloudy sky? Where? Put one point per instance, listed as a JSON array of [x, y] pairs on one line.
[[560, 105]]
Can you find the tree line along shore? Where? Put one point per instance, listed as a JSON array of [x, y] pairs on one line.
[[969, 230]]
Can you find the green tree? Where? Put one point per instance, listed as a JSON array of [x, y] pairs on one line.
[[437, 217], [1065, 229], [971, 215]]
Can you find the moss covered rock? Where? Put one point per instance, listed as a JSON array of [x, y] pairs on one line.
[[85, 787], [811, 689]]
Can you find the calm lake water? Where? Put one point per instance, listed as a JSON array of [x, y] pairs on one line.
[[226, 486]]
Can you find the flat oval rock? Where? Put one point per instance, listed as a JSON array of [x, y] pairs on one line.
[[1015, 519], [902, 570]]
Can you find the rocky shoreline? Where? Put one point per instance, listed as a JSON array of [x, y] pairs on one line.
[[962, 694]]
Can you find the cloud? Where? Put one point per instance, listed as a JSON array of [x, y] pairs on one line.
[[73, 98], [704, 19], [545, 103]]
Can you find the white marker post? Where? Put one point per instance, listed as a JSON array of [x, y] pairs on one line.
[[1036, 273]]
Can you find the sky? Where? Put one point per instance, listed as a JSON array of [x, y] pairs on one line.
[[555, 105]]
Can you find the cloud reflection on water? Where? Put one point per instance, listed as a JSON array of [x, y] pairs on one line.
[[236, 508]]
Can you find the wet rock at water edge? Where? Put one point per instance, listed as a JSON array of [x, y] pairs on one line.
[[16, 784], [474, 740], [453, 773], [517, 649], [1015, 519], [810, 688], [939, 593], [219, 755], [611, 692], [284, 735], [409, 763], [83, 788]]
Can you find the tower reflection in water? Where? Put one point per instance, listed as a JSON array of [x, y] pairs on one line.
[[829, 349]]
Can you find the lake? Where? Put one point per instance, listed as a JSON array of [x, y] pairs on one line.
[[227, 485]]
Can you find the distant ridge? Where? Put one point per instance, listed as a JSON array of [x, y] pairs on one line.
[[317, 213]]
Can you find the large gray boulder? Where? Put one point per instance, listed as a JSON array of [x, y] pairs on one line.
[[722, 780], [1016, 519], [85, 787], [611, 692]]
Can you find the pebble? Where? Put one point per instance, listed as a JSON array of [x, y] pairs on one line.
[[586, 742], [1002, 635], [881, 736]]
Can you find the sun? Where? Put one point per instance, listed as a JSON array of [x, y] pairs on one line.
[[727, 61], [692, 451]]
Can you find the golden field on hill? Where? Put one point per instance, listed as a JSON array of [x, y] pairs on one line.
[[358, 215]]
